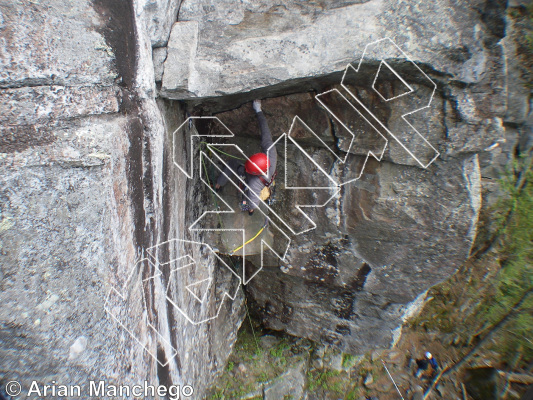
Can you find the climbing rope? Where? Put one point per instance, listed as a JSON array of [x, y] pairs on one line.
[[226, 154], [250, 320]]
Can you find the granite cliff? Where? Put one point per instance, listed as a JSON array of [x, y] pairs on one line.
[[100, 102]]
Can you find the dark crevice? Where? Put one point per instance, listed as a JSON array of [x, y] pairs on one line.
[[179, 9], [163, 371], [343, 330], [135, 180], [512, 124], [218, 104], [333, 131], [360, 279], [444, 117], [493, 16], [120, 34]]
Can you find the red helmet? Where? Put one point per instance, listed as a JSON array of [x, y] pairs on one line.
[[257, 164]]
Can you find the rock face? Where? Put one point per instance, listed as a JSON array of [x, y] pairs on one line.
[[157, 18], [251, 45], [86, 188], [378, 245], [389, 236], [95, 211]]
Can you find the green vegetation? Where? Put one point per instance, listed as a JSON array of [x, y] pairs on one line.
[[492, 296], [230, 366], [352, 394], [263, 377], [325, 379], [256, 365], [348, 361], [217, 395], [529, 35], [279, 351], [515, 279]]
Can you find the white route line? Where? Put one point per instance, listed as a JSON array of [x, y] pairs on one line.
[[189, 173], [268, 208], [377, 157], [411, 90], [193, 226], [226, 294], [404, 115], [400, 393], [334, 183], [188, 287], [122, 295]]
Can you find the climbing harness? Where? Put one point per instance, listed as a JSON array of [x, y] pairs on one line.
[[267, 193], [271, 181]]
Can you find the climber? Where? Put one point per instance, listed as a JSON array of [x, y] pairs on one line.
[[260, 169], [427, 366]]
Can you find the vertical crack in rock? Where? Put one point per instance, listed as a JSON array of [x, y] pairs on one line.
[[121, 35], [163, 372], [135, 179], [493, 16], [165, 236], [359, 282]]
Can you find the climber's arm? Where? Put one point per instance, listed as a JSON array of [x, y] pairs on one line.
[[267, 142]]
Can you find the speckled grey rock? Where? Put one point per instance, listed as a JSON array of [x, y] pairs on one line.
[[84, 158], [290, 384], [158, 16], [88, 184], [252, 45], [159, 55]]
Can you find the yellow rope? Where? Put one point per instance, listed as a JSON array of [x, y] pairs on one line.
[[249, 241]]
